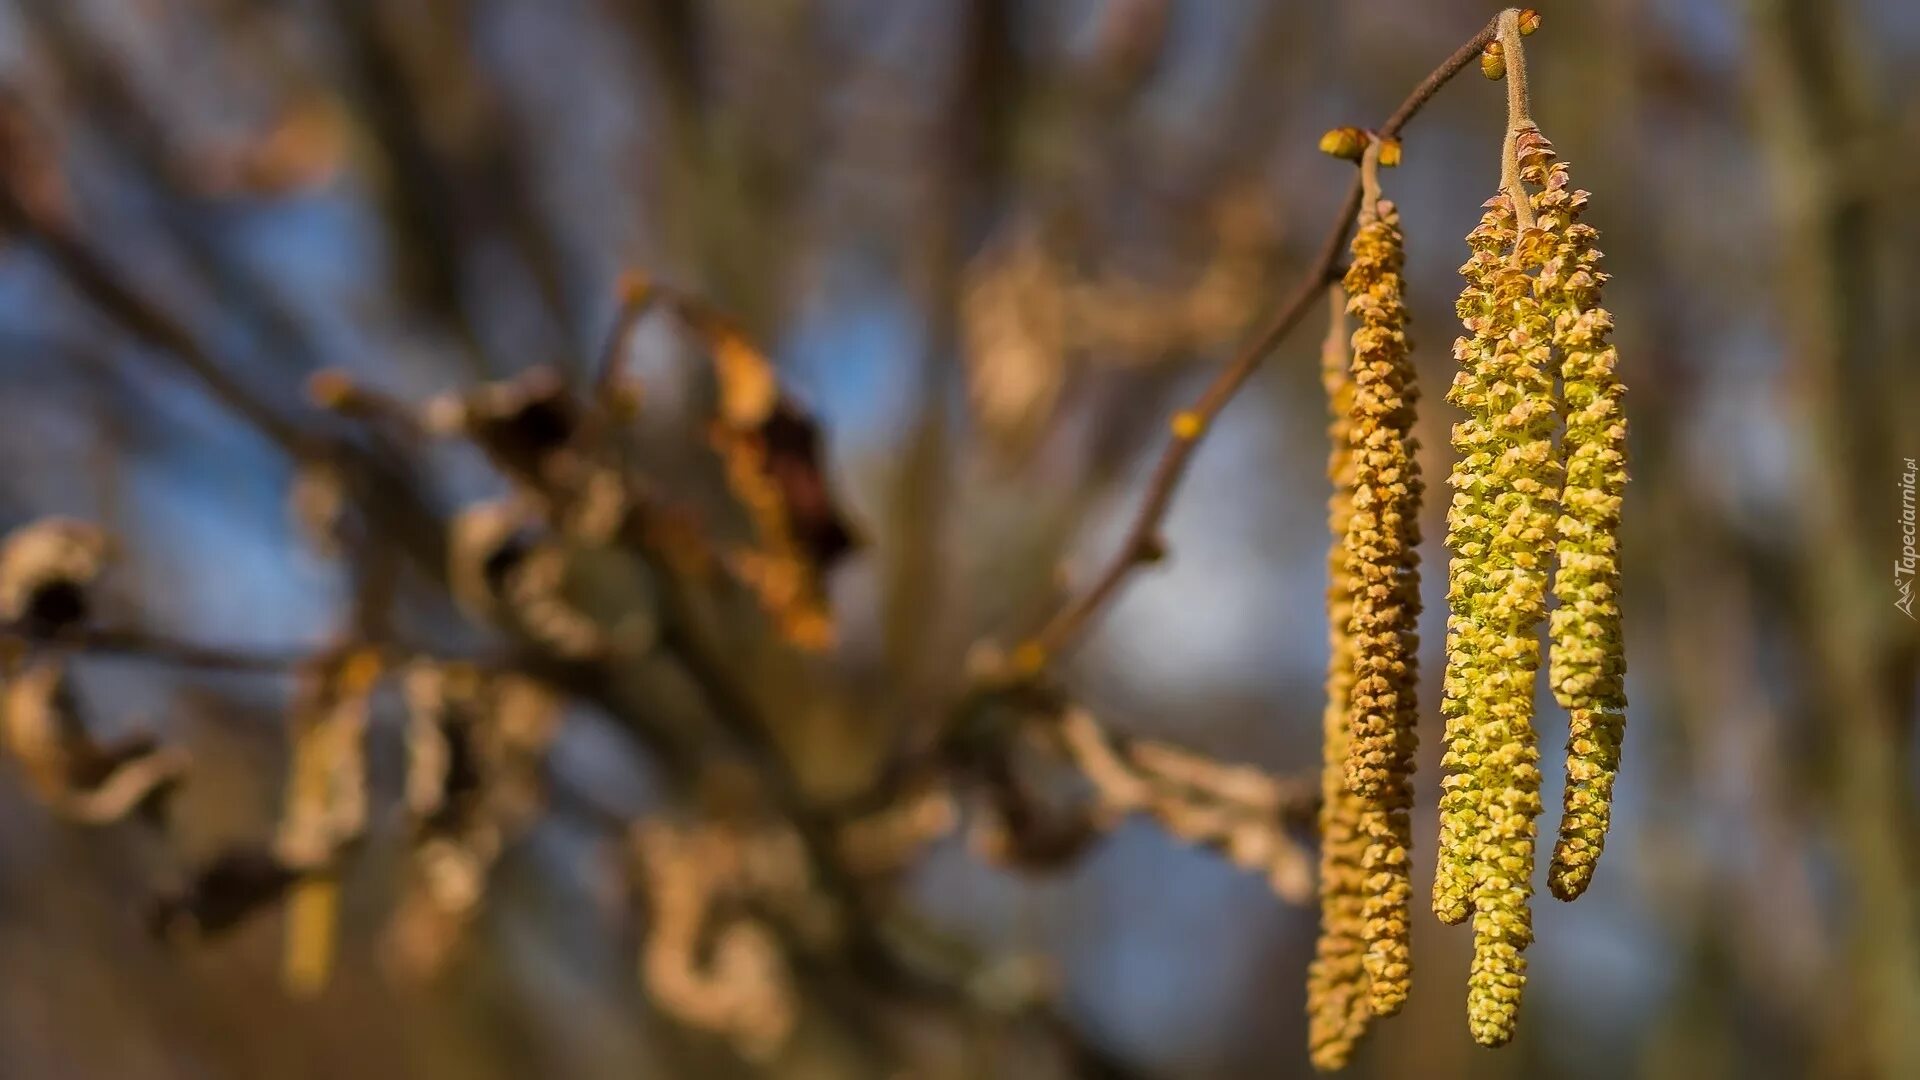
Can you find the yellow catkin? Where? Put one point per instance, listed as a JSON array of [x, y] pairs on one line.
[[1337, 1010], [1486, 309], [1381, 559], [1588, 668], [1499, 640]]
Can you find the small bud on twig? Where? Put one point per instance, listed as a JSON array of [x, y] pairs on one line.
[[1344, 142], [1493, 61]]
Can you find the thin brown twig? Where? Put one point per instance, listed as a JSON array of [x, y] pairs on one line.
[[1519, 122], [144, 645], [91, 275], [48, 226], [1142, 544], [637, 296]]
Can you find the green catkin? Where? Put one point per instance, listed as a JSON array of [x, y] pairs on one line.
[[1337, 1008], [1588, 669], [1381, 559], [1519, 410]]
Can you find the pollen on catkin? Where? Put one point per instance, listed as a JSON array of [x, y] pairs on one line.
[[1485, 308], [1503, 606], [1337, 1008], [1381, 559], [1587, 669]]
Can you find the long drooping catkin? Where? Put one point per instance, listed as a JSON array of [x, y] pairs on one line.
[[1501, 530], [1382, 561], [1588, 668], [1337, 1011], [1531, 309], [1521, 491], [1485, 308]]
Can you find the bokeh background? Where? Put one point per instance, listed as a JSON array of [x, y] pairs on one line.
[[993, 244]]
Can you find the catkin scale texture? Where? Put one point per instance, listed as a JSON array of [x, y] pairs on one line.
[[1510, 476], [1587, 669], [1381, 539], [1337, 1008], [1484, 308], [1535, 509]]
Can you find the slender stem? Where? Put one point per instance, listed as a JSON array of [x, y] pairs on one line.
[[90, 274], [1370, 181], [142, 645], [95, 278], [1519, 120], [637, 296], [1142, 544]]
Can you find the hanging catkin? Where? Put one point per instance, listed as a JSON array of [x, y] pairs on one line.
[[1509, 475], [1505, 484], [1382, 563], [1535, 354], [1588, 665], [1485, 308], [1337, 1009]]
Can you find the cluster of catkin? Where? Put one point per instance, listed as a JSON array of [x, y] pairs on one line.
[[1535, 362], [1361, 967], [1537, 488]]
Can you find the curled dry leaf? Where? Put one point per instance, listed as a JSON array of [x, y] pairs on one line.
[[526, 425], [740, 986], [543, 604], [888, 840], [1241, 811], [578, 599], [531, 427], [80, 779], [46, 571], [487, 541], [770, 448], [476, 747]]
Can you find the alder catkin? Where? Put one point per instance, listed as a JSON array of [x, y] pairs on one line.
[[1587, 669], [1337, 1009], [1382, 562]]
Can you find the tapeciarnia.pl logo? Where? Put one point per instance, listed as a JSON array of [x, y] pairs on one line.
[[1903, 567]]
